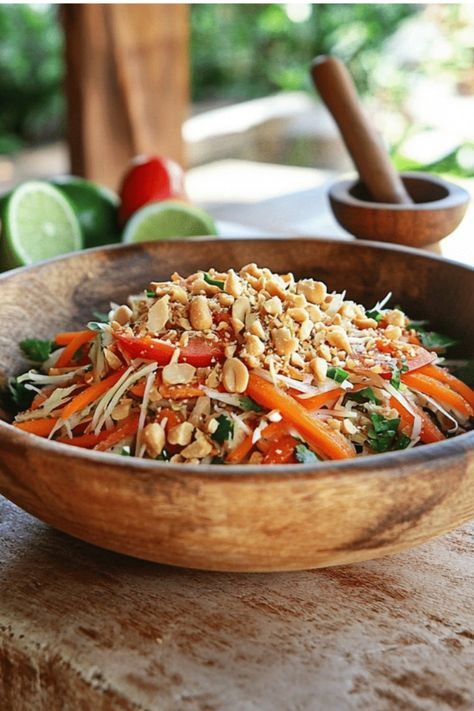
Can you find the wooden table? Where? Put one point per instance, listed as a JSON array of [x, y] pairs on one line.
[[85, 629]]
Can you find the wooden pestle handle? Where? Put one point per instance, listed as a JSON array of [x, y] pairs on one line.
[[364, 144]]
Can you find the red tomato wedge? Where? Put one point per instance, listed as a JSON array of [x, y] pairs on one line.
[[199, 352], [387, 359]]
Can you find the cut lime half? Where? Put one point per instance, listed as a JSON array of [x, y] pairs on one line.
[[168, 219], [38, 222]]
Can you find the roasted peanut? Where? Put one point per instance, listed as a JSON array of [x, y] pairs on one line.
[[235, 376], [178, 373], [181, 434], [154, 438], [200, 314], [122, 315], [284, 342], [158, 314]]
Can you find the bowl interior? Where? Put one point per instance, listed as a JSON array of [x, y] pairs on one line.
[[422, 189], [63, 293]]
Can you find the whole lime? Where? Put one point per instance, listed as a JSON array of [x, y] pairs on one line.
[[95, 206]]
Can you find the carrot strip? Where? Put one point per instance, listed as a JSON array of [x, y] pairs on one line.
[[271, 432], [444, 376], [437, 390], [429, 431], [179, 392], [239, 453], [138, 389], [73, 346], [42, 426], [317, 434], [90, 394], [64, 338], [282, 451], [317, 401], [173, 419], [126, 428]]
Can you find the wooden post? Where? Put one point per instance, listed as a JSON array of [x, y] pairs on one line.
[[127, 85]]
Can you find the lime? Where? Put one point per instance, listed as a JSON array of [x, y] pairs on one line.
[[38, 222], [95, 207], [167, 219]]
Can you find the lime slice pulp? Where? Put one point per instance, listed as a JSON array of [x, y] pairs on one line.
[[168, 219], [37, 223]]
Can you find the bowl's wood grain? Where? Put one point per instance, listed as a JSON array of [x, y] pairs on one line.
[[238, 518]]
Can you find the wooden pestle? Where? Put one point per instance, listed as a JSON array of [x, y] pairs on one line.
[[364, 144]]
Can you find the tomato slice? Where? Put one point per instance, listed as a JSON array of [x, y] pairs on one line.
[[199, 352], [387, 358]]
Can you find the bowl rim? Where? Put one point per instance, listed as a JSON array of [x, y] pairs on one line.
[[456, 195], [388, 461]]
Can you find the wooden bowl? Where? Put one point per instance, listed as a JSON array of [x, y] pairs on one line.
[[437, 210], [237, 518]]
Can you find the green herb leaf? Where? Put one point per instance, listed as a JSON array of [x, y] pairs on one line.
[[246, 403], [21, 396], [225, 429], [213, 282], [466, 373], [101, 316], [365, 395], [150, 294], [395, 379], [383, 433], [401, 441], [163, 457], [375, 314], [95, 326], [217, 460], [337, 374], [125, 451], [304, 454], [431, 339], [36, 350]]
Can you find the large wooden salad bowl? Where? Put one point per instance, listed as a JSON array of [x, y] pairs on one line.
[[239, 518]]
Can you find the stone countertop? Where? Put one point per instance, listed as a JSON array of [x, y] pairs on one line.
[[83, 628]]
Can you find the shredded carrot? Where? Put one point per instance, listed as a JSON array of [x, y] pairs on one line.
[[179, 392], [271, 432], [172, 417], [316, 433], [81, 338], [90, 394], [282, 451], [439, 391], [239, 453], [444, 376], [429, 431], [124, 429], [138, 389], [42, 426], [314, 403], [65, 337]]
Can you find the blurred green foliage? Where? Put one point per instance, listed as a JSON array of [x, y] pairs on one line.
[[31, 70], [244, 51]]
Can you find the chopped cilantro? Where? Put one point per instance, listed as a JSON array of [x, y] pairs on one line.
[[21, 396], [217, 460], [163, 457], [365, 395], [431, 339], [36, 350], [224, 431], [101, 316], [395, 379], [213, 282], [150, 294], [383, 435], [305, 455], [337, 374], [246, 403], [375, 314], [125, 451]]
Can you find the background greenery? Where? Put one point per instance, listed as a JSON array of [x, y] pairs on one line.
[[238, 52]]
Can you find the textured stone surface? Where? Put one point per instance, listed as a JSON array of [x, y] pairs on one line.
[[82, 628]]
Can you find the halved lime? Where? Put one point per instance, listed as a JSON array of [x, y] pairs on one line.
[[38, 222], [95, 206], [168, 219]]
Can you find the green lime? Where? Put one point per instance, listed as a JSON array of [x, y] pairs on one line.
[[38, 222], [95, 207], [167, 219]]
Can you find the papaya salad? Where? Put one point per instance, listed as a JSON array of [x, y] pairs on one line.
[[242, 367]]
